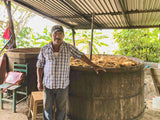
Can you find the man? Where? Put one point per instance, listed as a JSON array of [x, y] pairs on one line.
[[54, 62]]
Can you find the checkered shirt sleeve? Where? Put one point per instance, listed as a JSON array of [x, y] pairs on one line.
[[75, 52], [41, 59]]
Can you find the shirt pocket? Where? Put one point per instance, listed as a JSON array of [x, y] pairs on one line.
[[49, 56], [66, 56]]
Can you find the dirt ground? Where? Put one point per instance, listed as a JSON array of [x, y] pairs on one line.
[[22, 112], [151, 113], [7, 114]]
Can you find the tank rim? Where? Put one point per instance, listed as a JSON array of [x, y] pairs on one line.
[[140, 65]]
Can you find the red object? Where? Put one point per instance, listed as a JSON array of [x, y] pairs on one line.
[[6, 34], [14, 78], [3, 67]]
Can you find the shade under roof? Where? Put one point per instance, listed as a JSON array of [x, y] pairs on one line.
[[108, 14]]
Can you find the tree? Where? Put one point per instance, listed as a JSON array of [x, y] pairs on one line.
[[20, 17], [140, 43]]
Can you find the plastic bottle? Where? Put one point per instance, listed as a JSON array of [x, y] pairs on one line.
[[154, 104]]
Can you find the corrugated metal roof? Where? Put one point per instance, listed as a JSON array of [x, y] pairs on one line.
[[108, 14]]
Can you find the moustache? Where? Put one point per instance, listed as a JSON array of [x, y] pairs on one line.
[[57, 39]]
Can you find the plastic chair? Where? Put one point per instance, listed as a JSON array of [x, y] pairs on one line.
[[16, 89]]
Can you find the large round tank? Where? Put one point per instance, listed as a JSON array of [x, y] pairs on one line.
[[25, 55], [117, 94]]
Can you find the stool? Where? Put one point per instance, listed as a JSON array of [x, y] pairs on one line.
[[35, 101]]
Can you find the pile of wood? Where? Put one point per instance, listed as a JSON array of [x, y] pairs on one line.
[[106, 61]]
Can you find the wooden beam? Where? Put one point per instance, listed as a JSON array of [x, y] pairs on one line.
[[11, 25], [135, 27], [111, 13], [73, 38], [125, 27], [142, 11], [91, 44]]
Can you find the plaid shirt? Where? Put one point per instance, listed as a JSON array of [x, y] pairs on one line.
[[56, 69]]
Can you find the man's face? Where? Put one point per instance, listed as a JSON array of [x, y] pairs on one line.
[[57, 37]]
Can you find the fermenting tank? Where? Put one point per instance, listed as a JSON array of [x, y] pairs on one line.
[[117, 94]]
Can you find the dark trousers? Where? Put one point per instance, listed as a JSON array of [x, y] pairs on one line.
[[60, 96]]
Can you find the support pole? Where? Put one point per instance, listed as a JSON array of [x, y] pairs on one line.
[[11, 26], [159, 41], [159, 34], [73, 36], [90, 47]]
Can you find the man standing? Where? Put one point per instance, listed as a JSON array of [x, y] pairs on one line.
[[54, 62]]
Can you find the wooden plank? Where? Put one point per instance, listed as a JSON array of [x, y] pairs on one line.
[[155, 72]]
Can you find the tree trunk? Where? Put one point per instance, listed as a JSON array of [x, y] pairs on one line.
[[11, 26]]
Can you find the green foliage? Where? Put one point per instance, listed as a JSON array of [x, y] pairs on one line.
[[24, 38], [1, 39], [140, 43], [1, 43], [41, 40], [83, 39], [68, 36]]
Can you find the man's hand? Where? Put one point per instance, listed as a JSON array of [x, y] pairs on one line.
[[96, 68], [39, 79], [40, 86]]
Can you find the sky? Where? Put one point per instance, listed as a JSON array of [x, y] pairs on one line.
[[38, 23]]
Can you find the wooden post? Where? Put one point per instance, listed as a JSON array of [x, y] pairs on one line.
[[11, 26], [159, 41], [90, 47], [159, 34], [73, 38]]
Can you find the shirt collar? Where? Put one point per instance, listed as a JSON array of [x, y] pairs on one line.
[[61, 46]]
